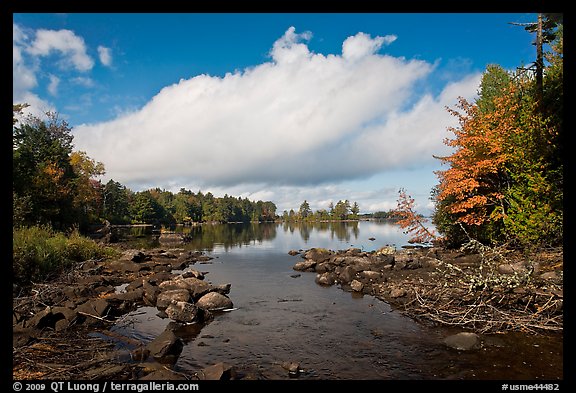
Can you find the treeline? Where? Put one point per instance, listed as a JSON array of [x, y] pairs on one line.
[[504, 182], [55, 186], [343, 210], [122, 206]]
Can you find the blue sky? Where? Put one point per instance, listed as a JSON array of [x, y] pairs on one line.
[[280, 106]]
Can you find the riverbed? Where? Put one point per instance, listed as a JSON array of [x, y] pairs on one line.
[[281, 315]]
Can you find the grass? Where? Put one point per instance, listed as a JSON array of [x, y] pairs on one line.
[[40, 253]]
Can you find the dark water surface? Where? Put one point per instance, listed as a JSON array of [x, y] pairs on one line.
[[282, 315]]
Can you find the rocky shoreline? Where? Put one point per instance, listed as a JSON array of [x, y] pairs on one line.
[[480, 289], [92, 297], [58, 327]]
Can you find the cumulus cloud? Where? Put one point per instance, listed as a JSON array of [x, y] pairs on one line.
[[361, 45], [301, 118], [68, 44], [24, 75], [29, 48], [105, 55]]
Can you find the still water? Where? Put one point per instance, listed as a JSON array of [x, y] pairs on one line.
[[282, 315]]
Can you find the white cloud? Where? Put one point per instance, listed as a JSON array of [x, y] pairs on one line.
[[53, 85], [294, 127], [83, 81], [28, 49], [361, 45], [23, 74], [105, 55], [71, 46]]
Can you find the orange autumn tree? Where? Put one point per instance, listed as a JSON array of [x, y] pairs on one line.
[[497, 187], [504, 182]]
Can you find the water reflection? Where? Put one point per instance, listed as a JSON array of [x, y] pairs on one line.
[[207, 237], [343, 231]]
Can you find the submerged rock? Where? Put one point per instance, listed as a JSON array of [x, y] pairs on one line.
[[464, 341]]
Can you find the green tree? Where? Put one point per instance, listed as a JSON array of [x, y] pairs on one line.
[[354, 210], [505, 177], [304, 210], [116, 202], [43, 177]]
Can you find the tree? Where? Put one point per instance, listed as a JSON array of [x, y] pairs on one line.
[[501, 184], [340, 211], [88, 198], [545, 27], [410, 221], [116, 202], [304, 210], [354, 210], [43, 177]]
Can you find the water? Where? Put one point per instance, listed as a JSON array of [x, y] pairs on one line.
[[283, 316]]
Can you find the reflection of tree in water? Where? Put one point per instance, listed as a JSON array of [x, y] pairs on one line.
[[343, 231], [204, 237]]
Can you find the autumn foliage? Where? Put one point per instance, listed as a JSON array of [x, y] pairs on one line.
[[501, 183]]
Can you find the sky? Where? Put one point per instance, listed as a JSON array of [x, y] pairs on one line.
[[280, 107]]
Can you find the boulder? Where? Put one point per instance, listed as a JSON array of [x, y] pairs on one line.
[[175, 295], [464, 341], [182, 312], [328, 278], [166, 348], [318, 254], [356, 286], [214, 301], [217, 372]]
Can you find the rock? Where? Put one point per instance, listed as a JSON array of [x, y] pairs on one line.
[[464, 341], [553, 276], [197, 288], [303, 266], [386, 250], [151, 293], [293, 252], [134, 256], [318, 254], [353, 251], [96, 307], [193, 273], [218, 372], [324, 267], [166, 348], [224, 289], [356, 285], [370, 275], [347, 274], [293, 368], [214, 301], [174, 284], [140, 354], [182, 312], [163, 375], [175, 295], [328, 278], [44, 319], [512, 268], [172, 238], [133, 296], [397, 292]]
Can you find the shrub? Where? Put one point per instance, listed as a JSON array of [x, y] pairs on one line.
[[40, 253]]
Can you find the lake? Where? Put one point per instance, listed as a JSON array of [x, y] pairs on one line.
[[281, 315]]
